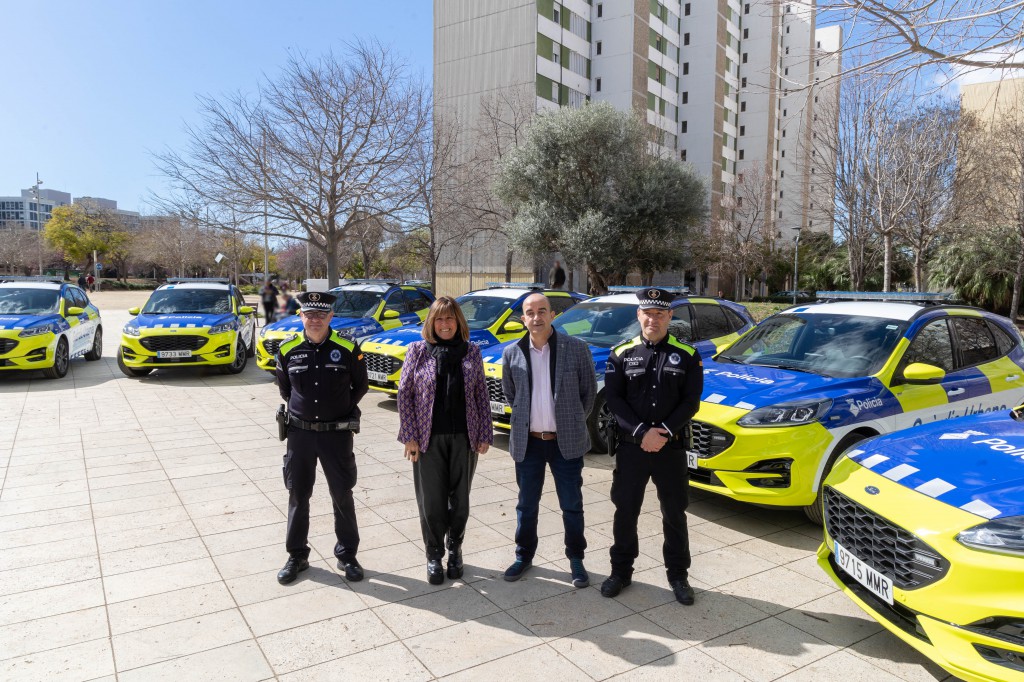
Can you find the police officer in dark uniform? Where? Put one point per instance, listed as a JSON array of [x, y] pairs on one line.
[[322, 377], [653, 385]]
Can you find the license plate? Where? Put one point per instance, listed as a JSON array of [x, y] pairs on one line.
[[377, 376], [691, 459], [174, 353], [497, 408], [876, 583]]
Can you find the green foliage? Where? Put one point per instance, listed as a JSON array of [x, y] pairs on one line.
[[584, 184], [77, 232], [978, 267]]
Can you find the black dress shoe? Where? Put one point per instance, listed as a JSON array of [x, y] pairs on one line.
[[353, 571], [614, 584], [455, 564], [435, 572], [291, 570], [682, 590]]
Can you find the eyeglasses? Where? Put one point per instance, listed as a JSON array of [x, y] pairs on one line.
[[315, 314]]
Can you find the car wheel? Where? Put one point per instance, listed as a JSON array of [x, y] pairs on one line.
[[131, 371], [97, 345], [61, 361], [815, 512], [241, 358], [597, 423]]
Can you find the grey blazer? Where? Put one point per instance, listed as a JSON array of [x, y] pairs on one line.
[[574, 383]]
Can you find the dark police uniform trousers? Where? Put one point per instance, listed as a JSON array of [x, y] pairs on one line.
[[322, 384], [652, 386]]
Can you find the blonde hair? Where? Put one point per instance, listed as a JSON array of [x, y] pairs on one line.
[[445, 306]]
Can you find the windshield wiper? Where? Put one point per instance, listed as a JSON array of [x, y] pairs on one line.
[[729, 358], [792, 368]]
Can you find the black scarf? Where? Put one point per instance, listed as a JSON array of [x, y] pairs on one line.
[[449, 355]]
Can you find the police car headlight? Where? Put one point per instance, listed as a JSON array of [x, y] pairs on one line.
[[1000, 535], [787, 414], [226, 327], [263, 332], [37, 331], [132, 329]]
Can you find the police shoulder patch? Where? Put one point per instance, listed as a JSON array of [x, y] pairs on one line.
[[625, 345]]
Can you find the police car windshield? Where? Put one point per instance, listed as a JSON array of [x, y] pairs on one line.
[[356, 303], [600, 324], [483, 311], [18, 301], [182, 301], [832, 345]]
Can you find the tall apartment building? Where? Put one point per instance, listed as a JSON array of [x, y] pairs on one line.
[[30, 211], [728, 85]]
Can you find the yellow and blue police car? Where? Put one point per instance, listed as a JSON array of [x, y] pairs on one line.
[[362, 307], [189, 322], [606, 321], [44, 323], [493, 317], [785, 400], [924, 530]]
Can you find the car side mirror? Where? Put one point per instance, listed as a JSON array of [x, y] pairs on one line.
[[74, 311], [134, 311], [513, 327], [245, 310], [923, 373], [390, 314]]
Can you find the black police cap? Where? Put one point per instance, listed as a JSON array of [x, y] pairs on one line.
[[315, 300], [653, 297]]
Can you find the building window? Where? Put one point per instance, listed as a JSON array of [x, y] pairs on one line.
[[782, 174], [819, 44], [686, 10], [739, 202], [743, 130], [787, 50], [786, 71], [783, 151], [555, 17], [810, 223], [743, 82], [682, 127], [783, 132], [600, 10], [744, 57], [746, 33], [741, 155], [785, 112], [746, 8], [686, 39], [787, 29], [686, 98], [686, 68], [598, 47], [743, 106], [682, 154], [597, 85]]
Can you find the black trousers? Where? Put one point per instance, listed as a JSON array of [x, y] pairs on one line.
[[334, 450], [443, 477], [633, 469]]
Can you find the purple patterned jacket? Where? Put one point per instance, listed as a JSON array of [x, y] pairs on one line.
[[416, 397]]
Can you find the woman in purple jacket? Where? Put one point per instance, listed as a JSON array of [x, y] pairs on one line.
[[444, 422]]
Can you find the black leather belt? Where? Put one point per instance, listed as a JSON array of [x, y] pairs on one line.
[[347, 425]]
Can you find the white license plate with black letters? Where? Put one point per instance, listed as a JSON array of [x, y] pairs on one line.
[[377, 376], [497, 407], [174, 353], [691, 459], [876, 583]]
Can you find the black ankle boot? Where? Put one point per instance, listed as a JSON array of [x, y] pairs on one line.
[[455, 563], [435, 573]]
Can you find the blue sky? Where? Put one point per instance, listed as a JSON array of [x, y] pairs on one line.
[[113, 81]]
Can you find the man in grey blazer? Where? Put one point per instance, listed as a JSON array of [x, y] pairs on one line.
[[549, 381]]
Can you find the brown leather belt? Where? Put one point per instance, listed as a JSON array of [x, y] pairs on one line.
[[544, 435]]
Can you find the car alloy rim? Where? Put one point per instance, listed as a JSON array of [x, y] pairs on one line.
[[62, 357], [97, 342], [239, 355]]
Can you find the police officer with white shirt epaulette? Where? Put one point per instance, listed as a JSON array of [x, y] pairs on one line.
[[653, 385], [322, 377]]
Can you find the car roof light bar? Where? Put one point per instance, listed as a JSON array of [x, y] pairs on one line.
[[885, 296], [205, 280], [30, 278], [629, 289], [515, 285], [390, 282]]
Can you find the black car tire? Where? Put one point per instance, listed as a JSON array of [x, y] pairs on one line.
[[97, 346], [131, 371], [61, 360], [815, 512], [240, 361], [596, 423]]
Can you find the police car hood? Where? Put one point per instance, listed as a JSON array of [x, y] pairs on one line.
[[8, 322], [975, 463], [749, 387], [400, 336], [183, 320], [294, 323]]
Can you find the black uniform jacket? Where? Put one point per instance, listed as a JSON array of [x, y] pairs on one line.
[[653, 385], [322, 382]]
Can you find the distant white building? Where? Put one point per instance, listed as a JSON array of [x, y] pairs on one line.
[[26, 211], [729, 84]]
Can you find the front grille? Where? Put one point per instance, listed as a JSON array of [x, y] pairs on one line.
[[378, 362], [709, 440], [271, 346], [896, 613], [889, 549], [495, 391], [173, 342], [7, 345]]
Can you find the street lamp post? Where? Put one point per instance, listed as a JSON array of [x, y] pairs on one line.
[[796, 266], [39, 223]]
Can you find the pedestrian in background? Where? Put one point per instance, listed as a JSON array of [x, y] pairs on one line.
[[268, 296], [444, 423], [556, 277], [549, 381], [90, 281], [653, 385]]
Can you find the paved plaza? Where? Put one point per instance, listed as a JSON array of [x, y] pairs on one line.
[[142, 527]]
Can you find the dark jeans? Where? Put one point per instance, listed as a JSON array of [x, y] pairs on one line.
[[443, 477], [568, 476], [334, 450], [633, 469]]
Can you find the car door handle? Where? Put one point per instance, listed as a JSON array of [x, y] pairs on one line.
[[955, 391], [1013, 377]]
